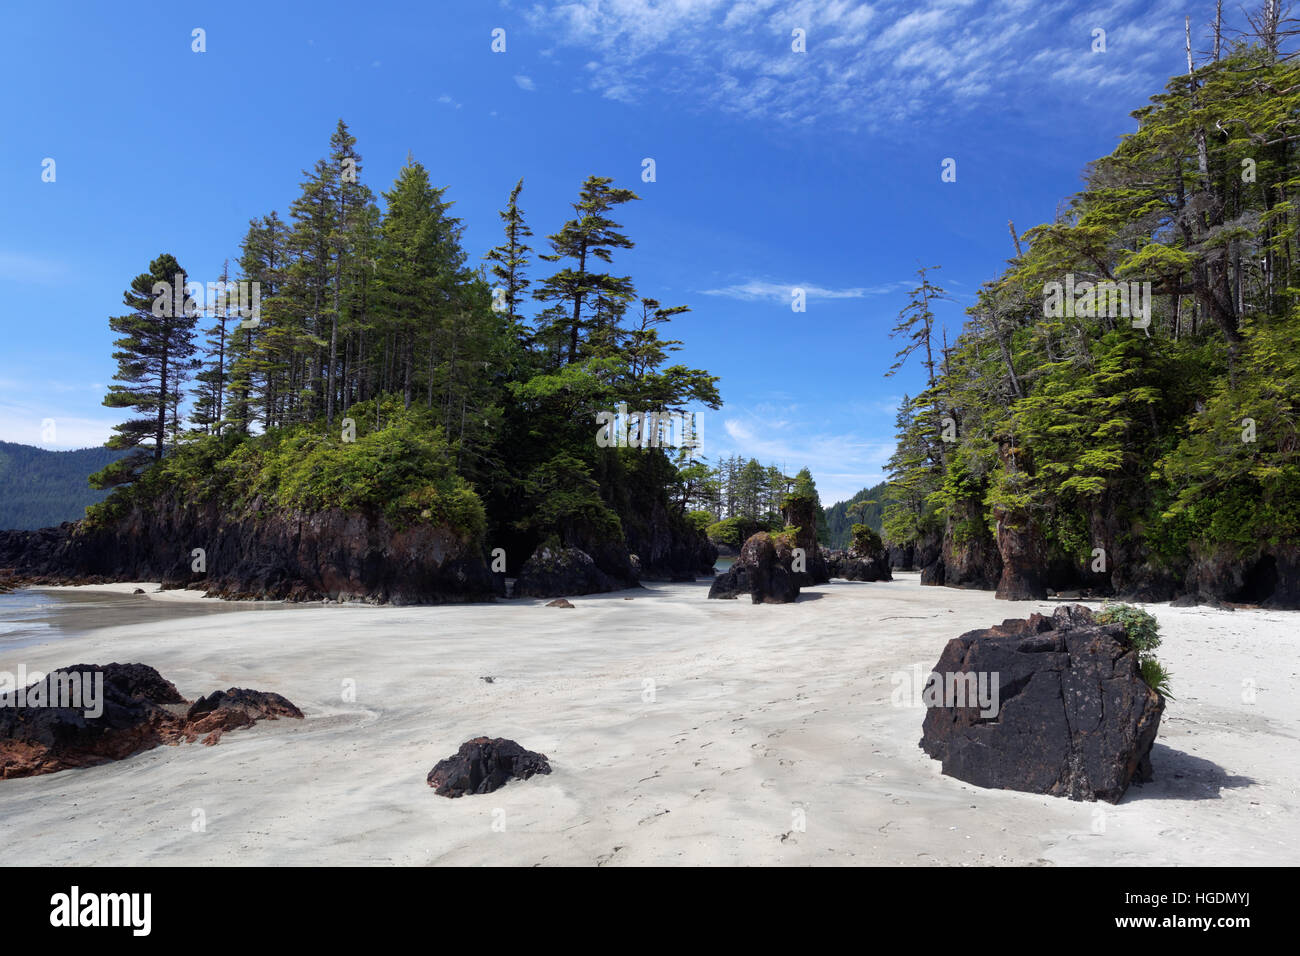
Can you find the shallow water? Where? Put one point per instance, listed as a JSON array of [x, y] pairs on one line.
[[36, 615]]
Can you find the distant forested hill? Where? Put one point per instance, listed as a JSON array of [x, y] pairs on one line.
[[840, 522], [39, 488]]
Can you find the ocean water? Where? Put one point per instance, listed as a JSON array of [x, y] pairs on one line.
[[35, 615], [26, 617]]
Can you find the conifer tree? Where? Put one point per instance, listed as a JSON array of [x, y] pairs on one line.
[[590, 236], [153, 355]]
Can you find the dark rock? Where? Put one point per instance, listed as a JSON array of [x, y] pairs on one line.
[[482, 765], [801, 513], [1285, 592], [140, 711], [927, 550], [1074, 717], [1145, 583], [558, 602], [902, 557], [1021, 548], [851, 566], [553, 572], [758, 572], [138, 591], [970, 554], [669, 546], [292, 556], [933, 574]]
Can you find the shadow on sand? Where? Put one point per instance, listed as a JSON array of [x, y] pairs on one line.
[[1180, 776]]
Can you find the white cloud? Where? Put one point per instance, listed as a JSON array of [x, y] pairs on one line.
[[866, 65], [842, 462], [26, 406], [755, 290], [524, 82]]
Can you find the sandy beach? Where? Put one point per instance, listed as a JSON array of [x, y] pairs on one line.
[[680, 731]]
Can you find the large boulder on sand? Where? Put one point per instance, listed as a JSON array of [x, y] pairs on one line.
[[759, 572], [482, 765], [555, 572], [851, 566], [1070, 713]]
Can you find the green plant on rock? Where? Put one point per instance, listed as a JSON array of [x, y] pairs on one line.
[[1143, 633]]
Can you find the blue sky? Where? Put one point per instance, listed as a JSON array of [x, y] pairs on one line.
[[774, 169]]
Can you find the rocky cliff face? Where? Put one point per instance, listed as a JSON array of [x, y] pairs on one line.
[[668, 546], [970, 555], [292, 556]]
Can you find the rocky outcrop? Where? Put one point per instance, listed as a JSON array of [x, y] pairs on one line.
[[118, 710], [670, 548], [933, 574], [902, 557], [1069, 714], [758, 572], [1285, 590], [1021, 548], [801, 513], [224, 710], [851, 566], [294, 556], [482, 765], [1145, 583], [554, 572], [970, 555]]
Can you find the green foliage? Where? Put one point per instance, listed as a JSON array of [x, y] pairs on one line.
[[467, 411], [1178, 435], [734, 531], [866, 542], [403, 472], [1143, 632], [563, 494], [700, 520]]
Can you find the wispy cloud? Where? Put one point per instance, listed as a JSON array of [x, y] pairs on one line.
[[51, 414], [755, 290], [525, 82], [865, 65], [842, 462]]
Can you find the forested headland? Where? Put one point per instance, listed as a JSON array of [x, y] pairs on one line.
[[349, 386], [1064, 440]]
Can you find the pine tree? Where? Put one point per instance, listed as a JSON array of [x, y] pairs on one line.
[[153, 355], [593, 235], [509, 259]]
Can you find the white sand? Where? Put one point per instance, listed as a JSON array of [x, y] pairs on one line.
[[758, 712]]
